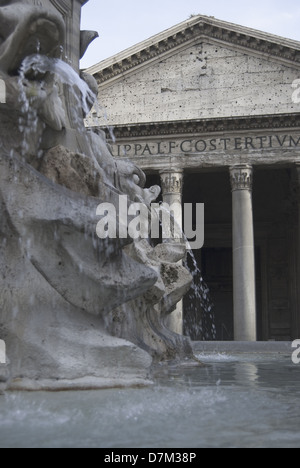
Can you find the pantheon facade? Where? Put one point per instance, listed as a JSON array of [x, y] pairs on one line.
[[211, 112]]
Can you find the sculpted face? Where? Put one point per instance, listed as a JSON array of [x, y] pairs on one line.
[[27, 28]]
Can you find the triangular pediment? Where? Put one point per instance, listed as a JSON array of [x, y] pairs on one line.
[[196, 28], [200, 70]]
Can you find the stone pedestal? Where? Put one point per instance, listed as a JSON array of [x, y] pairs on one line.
[[243, 254], [172, 184]]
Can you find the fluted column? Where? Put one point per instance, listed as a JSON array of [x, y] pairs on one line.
[[172, 185], [243, 254], [297, 193]]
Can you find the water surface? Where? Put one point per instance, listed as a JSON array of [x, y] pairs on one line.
[[236, 401]]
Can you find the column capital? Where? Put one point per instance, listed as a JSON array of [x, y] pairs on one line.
[[241, 177], [172, 181]]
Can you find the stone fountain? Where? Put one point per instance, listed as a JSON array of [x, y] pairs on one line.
[[76, 312]]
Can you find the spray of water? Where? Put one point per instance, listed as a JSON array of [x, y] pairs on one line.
[[199, 308], [199, 319], [97, 117], [40, 64]]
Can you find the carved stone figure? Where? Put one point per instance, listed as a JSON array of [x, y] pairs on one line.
[[62, 288]]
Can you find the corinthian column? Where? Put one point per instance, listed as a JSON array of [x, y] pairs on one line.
[[243, 254], [297, 190], [172, 184]]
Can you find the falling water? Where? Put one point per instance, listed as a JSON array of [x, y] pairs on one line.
[[39, 71], [199, 319], [40, 64], [97, 117], [28, 121], [199, 314]]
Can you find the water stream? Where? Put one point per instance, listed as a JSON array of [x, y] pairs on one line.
[[42, 83], [200, 319], [38, 66]]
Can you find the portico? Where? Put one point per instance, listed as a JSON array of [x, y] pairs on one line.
[[230, 141], [251, 236]]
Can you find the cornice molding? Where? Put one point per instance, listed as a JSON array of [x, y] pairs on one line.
[[187, 127], [204, 28]]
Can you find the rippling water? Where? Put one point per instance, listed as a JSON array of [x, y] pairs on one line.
[[248, 401]]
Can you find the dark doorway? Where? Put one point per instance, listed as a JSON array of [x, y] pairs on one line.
[[218, 271], [214, 260]]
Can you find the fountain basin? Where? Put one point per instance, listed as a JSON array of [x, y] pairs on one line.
[[237, 400]]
